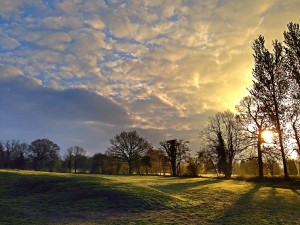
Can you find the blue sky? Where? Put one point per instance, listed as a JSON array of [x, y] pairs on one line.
[[79, 72]]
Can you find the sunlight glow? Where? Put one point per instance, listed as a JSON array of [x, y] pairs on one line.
[[267, 136]]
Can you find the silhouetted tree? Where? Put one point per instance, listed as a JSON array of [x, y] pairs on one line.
[[270, 86], [146, 161], [78, 153], [18, 154], [98, 163], [254, 121], [69, 158], [42, 151], [193, 166], [1, 155], [127, 146], [177, 151], [292, 66], [223, 139]]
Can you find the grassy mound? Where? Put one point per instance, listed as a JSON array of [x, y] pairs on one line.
[[28, 197]]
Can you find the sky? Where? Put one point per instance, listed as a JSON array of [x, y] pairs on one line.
[[79, 72]]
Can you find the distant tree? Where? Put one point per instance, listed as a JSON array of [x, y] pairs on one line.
[[159, 161], [98, 163], [222, 140], [7, 153], [127, 146], [146, 161], [249, 167], [177, 151], [1, 155], [270, 87], [69, 157], [193, 166], [78, 153], [292, 167], [42, 151], [18, 155]]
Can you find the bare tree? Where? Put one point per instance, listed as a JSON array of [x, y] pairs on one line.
[[254, 121], [69, 156], [128, 146], [223, 139], [77, 152], [270, 87], [292, 66], [177, 151]]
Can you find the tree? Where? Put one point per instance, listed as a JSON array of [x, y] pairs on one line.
[[177, 151], [98, 163], [292, 49], [18, 154], [270, 87], [254, 121], [146, 161], [292, 167], [78, 153], [159, 161], [223, 139], [193, 166], [128, 146], [292, 65], [69, 159], [42, 152]]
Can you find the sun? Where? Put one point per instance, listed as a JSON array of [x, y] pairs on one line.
[[267, 136]]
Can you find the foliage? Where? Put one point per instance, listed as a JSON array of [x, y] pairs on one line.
[[223, 139], [128, 147], [43, 152], [193, 166], [177, 151]]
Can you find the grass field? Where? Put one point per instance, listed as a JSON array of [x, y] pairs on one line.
[[28, 197]]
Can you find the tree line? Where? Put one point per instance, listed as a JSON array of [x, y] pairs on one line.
[[230, 142]]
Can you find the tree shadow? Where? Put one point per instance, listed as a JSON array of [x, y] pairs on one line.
[[72, 198], [262, 204], [180, 186]]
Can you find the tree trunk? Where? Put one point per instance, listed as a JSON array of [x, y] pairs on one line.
[[228, 170], [296, 137], [286, 176], [75, 165], [129, 168], [259, 155]]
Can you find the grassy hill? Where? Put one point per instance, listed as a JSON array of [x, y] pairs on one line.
[[28, 197]]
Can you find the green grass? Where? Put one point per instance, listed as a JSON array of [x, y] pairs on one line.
[[28, 197]]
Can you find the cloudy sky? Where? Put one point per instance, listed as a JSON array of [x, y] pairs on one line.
[[78, 72]]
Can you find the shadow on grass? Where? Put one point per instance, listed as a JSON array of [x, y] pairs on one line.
[[263, 204], [181, 186], [35, 199]]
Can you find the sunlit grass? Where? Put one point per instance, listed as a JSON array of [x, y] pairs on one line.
[[29, 197]]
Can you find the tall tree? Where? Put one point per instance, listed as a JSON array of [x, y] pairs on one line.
[[292, 49], [223, 139], [254, 121], [43, 151], [177, 151], [128, 146], [270, 86]]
